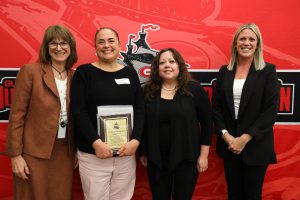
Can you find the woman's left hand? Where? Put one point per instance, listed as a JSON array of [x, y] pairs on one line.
[[129, 148], [143, 160], [238, 144], [202, 164]]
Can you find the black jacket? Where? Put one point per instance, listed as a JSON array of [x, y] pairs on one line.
[[187, 112], [256, 116]]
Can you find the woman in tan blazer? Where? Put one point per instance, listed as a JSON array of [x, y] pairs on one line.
[[39, 137]]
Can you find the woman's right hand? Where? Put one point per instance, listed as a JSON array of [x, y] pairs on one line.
[[19, 167], [143, 160], [101, 149], [228, 138]]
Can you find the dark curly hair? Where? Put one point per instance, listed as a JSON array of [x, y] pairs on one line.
[[153, 85]]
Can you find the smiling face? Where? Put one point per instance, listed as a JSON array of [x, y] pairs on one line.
[[246, 44], [168, 67], [107, 45], [59, 50]]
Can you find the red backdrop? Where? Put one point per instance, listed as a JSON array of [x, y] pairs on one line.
[[201, 29]]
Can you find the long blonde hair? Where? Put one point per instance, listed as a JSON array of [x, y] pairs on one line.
[[259, 62]]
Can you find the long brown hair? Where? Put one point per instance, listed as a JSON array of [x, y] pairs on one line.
[[153, 85]]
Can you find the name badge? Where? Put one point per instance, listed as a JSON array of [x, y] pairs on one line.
[[122, 81]]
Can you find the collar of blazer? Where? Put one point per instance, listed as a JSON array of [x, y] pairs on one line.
[[248, 88]]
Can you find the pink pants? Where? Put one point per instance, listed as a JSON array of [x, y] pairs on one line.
[[107, 179]]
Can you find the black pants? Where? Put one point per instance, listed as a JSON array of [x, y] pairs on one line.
[[244, 182], [180, 183]]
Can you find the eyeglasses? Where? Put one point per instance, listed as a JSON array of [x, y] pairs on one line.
[[63, 45]]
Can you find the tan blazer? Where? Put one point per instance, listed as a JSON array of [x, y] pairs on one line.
[[33, 121]]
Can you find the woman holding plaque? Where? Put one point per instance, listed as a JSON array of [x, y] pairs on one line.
[[39, 138], [245, 103], [106, 82], [174, 146]]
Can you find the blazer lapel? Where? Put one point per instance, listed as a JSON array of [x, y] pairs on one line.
[[248, 88], [49, 79], [228, 87], [69, 78]]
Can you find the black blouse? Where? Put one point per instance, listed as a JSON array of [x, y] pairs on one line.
[[190, 126]]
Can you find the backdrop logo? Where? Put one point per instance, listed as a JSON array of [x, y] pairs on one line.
[[286, 105], [139, 54], [289, 111], [6, 92], [7, 84]]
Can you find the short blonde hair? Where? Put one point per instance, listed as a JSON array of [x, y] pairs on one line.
[[259, 62]]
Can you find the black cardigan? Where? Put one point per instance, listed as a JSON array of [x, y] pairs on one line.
[[186, 137]]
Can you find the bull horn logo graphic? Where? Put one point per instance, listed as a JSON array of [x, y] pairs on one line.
[[139, 54]]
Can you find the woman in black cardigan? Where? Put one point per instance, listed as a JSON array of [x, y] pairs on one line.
[[174, 146], [245, 104]]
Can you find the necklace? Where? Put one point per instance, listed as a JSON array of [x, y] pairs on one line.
[[59, 72], [167, 89], [62, 88]]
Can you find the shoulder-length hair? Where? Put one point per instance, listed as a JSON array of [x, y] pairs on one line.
[[54, 32], [153, 85], [258, 60]]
